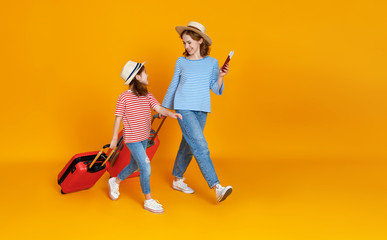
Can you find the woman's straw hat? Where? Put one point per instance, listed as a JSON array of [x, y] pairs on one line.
[[195, 27]]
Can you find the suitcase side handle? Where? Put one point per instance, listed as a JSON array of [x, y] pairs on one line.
[[99, 154], [158, 129], [120, 145]]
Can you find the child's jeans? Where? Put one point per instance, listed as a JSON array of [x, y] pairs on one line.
[[138, 160], [194, 143]]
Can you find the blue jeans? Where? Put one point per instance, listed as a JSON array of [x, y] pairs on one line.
[[194, 143], [138, 160]]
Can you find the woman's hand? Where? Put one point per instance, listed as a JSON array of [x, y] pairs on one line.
[[224, 72]]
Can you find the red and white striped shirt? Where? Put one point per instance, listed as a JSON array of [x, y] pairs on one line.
[[136, 115]]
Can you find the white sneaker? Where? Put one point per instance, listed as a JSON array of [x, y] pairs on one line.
[[182, 186], [153, 206], [113, 188], [222, 192]]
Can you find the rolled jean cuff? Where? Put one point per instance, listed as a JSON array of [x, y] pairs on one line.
[[213, 185], [177, 176]]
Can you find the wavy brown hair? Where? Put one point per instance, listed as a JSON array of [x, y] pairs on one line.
[[204, 47], [139, 89]]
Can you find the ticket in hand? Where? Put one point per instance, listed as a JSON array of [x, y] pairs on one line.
[[227, 60]]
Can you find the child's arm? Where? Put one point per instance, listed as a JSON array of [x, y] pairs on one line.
[[116, 128], [165, 112]]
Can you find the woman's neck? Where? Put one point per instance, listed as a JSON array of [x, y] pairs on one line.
[[195, 56]]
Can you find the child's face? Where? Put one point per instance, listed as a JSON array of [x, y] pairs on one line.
[[143, 77], [192, 46]]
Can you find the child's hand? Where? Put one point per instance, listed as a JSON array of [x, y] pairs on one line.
[[176, 115], [224, 72], [113, 144]]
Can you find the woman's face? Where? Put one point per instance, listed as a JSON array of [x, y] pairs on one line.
[[191, 46]]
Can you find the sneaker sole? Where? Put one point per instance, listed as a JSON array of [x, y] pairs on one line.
[[154, 211], [181, 190], [110, 195], [226, 194]]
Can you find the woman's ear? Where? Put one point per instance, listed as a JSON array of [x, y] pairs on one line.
[[138, 77], [201, 41]]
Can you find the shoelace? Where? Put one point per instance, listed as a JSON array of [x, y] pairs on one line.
[[219, 188], [115, 187], [155, 203], [182, 183]]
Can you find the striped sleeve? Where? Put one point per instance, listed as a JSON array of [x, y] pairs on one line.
[[120, 107], [169, 98], [152, 101], [214, 80]]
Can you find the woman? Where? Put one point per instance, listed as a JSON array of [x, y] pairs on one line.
[[189, 94]]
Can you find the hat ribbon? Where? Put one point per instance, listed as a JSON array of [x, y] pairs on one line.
[[137, 67]]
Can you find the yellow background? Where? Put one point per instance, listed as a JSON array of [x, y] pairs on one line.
[[300, 131]]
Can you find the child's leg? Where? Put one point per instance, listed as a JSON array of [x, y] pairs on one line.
[[128, 170], [138, 150]]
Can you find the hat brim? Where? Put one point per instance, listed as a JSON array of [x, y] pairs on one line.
[[181, 29], [127, 82]]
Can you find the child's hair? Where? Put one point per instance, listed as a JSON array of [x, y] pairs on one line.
[[204, 47], [139, 89]]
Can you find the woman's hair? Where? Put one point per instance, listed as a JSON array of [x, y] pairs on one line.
[[204, 47], [139, 89]]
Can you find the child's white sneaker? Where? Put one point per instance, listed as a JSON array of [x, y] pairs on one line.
[[113, 188], [182, 186], [153, 206], [222, 192]]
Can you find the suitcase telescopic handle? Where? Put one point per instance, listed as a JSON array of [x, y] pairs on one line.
[[161, 124], [99, 154], [157, 116]]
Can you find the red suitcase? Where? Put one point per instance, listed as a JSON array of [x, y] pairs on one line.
[[122, 156], [83, 170]]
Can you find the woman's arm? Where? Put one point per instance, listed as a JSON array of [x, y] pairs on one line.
[[222, 74], [170, 95], [217, 84]]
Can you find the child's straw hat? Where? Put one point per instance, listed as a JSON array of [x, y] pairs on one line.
[[196, 27], [130, 70]]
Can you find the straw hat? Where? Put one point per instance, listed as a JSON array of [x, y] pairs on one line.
[[130, 70], [195, 27]]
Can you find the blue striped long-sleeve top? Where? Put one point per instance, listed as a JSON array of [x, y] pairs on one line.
[[191, 84]]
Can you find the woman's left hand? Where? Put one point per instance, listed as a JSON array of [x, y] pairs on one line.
[[224, 72]]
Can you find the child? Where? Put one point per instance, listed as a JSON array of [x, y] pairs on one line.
[[189, 94], [133, 108]]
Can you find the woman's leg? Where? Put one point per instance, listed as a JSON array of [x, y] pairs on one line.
[[184, 154], [183, 159], [192, 127]]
